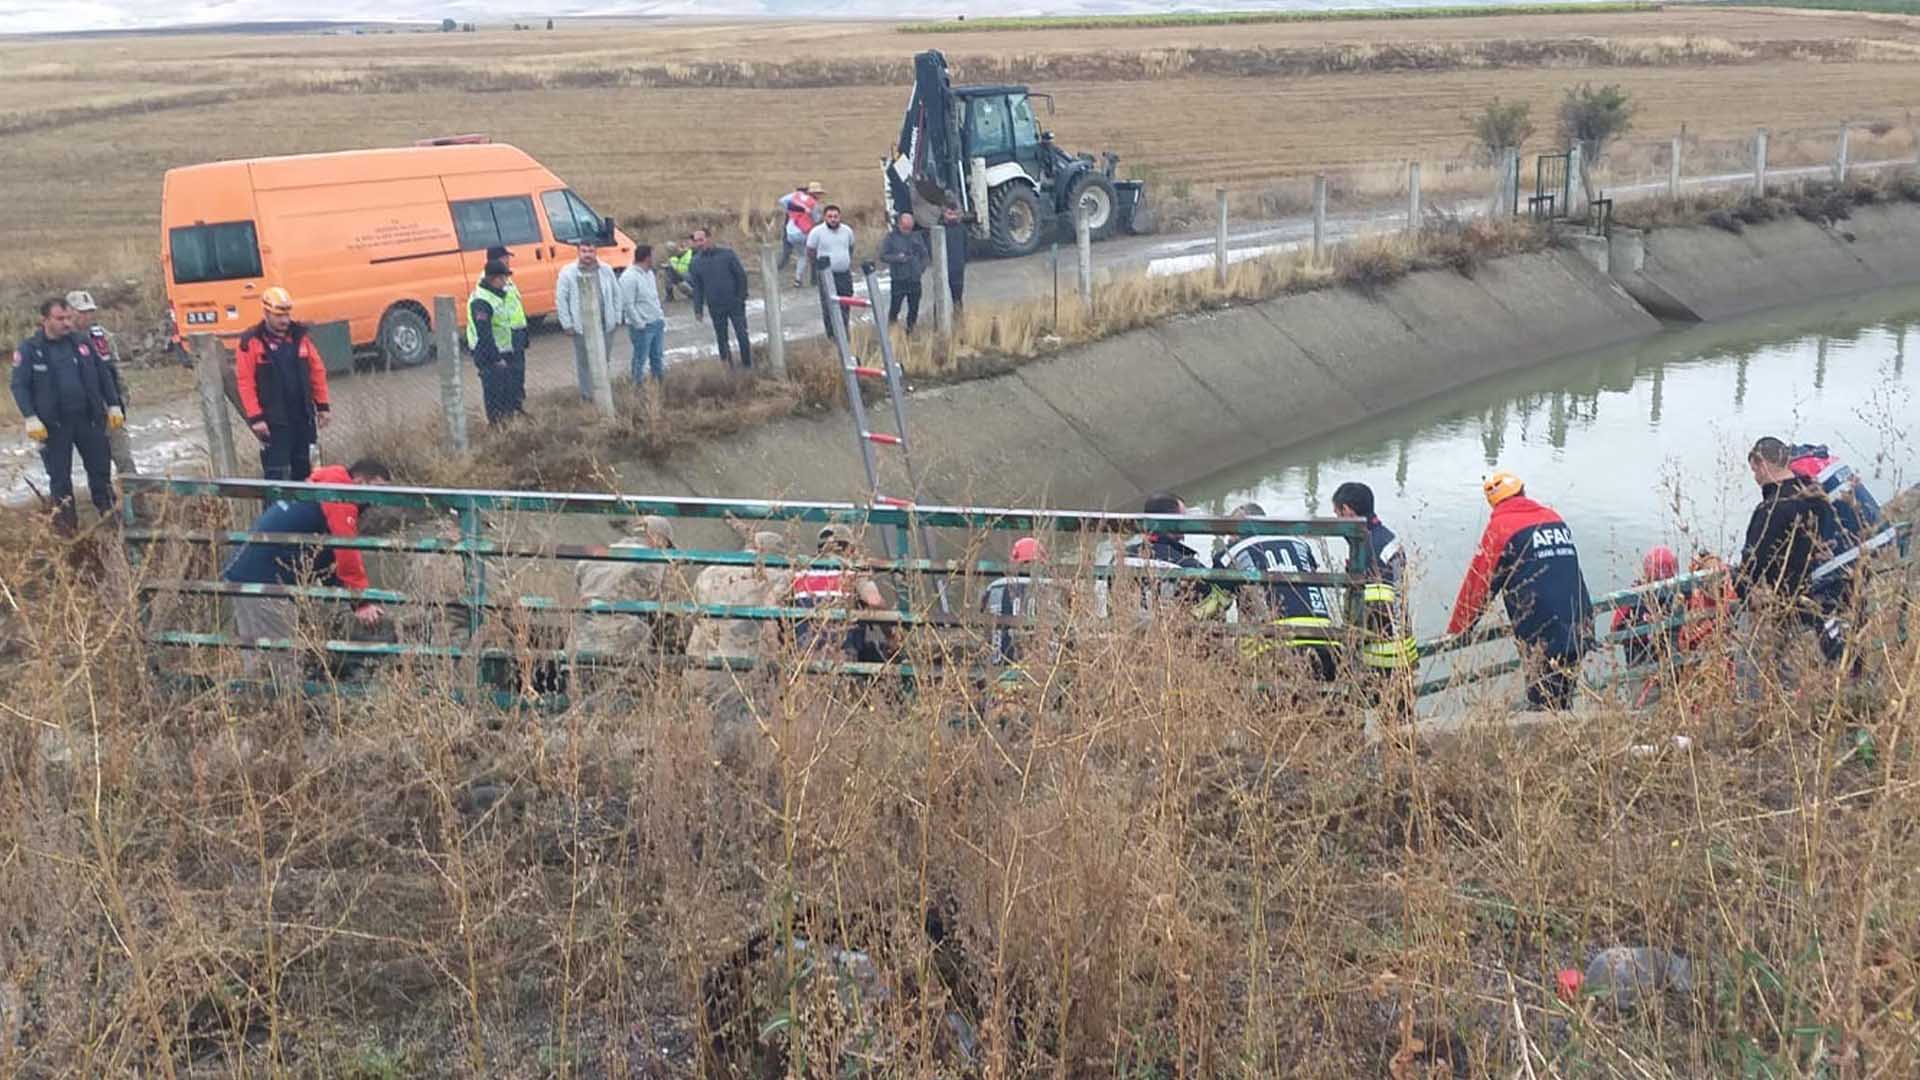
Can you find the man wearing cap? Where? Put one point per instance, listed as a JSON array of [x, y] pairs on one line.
[[585, 272], [1527, 556], [1018, 595], [755, 585], [840, 586], [515, 314], [503, 370], [802, 207], [613, 638], [70, 403], [118, 441]]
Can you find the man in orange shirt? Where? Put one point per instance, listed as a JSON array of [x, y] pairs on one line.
[[282, 384]]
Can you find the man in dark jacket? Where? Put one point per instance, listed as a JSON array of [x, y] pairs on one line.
[[259, 563], [1784, 544], [85, 311], [283, 388], [720, 289], [1528, 557], [905, 253], [956, 253], [69, 400]]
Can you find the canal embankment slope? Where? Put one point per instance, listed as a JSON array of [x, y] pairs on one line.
[[1100, 425]]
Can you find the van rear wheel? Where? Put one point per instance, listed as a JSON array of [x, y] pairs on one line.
[[406, 338]]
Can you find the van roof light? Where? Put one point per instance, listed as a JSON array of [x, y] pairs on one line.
[[454, 140]]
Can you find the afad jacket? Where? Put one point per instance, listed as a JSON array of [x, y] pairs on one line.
[[1528, 557]]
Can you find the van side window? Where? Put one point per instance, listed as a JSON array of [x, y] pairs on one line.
[[482, 223], [570, 218], [224, 252]]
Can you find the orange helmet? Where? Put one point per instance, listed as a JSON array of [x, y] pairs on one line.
[[277, 301], [1028, 549], [1500, 487]]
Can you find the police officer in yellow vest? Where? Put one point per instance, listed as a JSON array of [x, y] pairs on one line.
[[514, 314], [490, 336]]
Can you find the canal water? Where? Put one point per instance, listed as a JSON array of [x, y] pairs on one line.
[[1634, 446]]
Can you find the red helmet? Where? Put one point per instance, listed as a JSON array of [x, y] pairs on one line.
[[1028, 549]]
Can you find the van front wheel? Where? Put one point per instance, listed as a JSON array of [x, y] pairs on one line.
[[406, 339]]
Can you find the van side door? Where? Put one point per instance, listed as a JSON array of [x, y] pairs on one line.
[[504, 221]]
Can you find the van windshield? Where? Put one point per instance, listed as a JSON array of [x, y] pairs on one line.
[[224, 252], [570, 218]]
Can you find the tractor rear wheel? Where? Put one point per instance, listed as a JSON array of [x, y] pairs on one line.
[[1016, 220], [1095, 195]]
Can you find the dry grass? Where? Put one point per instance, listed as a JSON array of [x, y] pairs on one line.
[[1134, 864], [1820, 202]]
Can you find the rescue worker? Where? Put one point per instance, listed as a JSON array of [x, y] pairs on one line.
[[515, 314], [679, 267], [1785, 542], [490, 338], [613, 638], [1527, 556], [257, 563], [1017, 596], [755, 585], [118, 439], [1858, 526], [839, 586], [69, 402], [1160, 550], [802, 209], [282, 384], [1643, 618], [1302, 610], [1387, 644]]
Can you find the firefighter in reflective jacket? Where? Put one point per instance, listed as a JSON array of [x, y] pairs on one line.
[[1527, 555], [491, 339], [1302, 610], [282, 384], [1387, 643]]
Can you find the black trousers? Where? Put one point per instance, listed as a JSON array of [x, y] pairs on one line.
[[1552, 682], [737, 319], [957, 280], [89, 437], [500, 388], [907, 292], [288, 453], [842, 286]]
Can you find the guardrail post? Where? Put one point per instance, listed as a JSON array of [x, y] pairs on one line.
[[1413, 196], [776, 326], [1673, 170], [210, 361], [1083, 240], [446, 332], [593, 325], [1840, 155], [1760, 162], [942, 284], [1319, 216], [1220, 236]]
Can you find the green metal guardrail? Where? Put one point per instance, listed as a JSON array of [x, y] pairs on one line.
[[475, 548]]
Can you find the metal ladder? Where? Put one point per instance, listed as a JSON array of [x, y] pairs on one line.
[[899, 543]]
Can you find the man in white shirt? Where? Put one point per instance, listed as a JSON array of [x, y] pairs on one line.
[[833, 241], [566, 302]]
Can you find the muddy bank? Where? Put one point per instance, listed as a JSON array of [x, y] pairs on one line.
[[1101, 425]]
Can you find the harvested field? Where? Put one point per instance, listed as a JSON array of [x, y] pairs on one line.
[[708, 122]]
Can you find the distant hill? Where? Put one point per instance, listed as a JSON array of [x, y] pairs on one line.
[[55, 16]]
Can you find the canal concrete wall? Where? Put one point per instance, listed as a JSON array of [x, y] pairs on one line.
[[1102, 424], [1709, 274]]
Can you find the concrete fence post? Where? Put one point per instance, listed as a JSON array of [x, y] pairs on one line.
[[942, 283], [1760, 162], [1413, 196], [1673, 169], [453, 393], [1220, 236], [776, 326], [210, 361], [1510, 182], [1576, 191], [593, 324], [1840, 155], [1319, 216], [1083, 244]]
